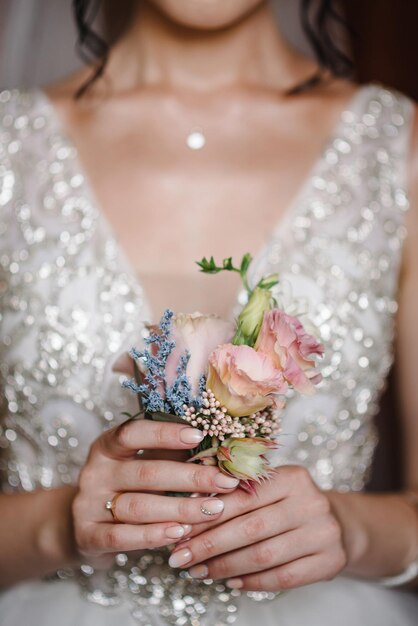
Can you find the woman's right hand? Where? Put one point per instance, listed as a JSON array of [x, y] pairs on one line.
[[144, 517]]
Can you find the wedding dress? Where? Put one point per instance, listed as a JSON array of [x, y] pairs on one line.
[[71, 303]]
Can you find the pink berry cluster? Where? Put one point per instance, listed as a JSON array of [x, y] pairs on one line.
[[214, 420]]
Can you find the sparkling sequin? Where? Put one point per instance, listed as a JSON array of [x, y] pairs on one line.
[[70, 303]]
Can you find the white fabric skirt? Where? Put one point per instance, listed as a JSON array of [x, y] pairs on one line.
[[341, 602]]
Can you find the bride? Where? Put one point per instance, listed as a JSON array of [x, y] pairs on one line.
[[200, 132]]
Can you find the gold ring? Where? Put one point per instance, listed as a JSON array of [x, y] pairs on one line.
[[111, 505]]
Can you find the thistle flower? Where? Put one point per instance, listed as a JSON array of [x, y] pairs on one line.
[[241, 458]]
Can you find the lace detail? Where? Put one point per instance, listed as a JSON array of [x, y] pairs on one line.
[[70, 303]]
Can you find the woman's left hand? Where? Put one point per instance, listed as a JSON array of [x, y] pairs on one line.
[[283, 536]]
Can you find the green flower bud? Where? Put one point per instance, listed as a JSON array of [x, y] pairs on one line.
[[251, 317]]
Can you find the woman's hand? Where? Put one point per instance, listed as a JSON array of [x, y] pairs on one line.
[[144, 518], [282, 537]]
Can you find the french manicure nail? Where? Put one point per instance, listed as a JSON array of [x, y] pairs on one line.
[[180, 558], [191, 435], [234, 583], [180, 544], [175, 532], [212, 506], [199, 571], [187, 528], [225, 482]]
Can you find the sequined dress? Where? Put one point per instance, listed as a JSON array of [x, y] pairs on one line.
[[70, 302]]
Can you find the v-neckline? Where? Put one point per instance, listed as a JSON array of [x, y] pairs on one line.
[[286, 216]]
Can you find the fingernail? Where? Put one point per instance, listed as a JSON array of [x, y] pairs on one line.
[[175, 532], [212, 506], [198, 571], [234, 583], [179, 544], [191, 435], [180, 558], [187, 528], [225, 482]]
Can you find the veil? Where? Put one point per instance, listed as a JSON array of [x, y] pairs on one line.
[[36, 42]]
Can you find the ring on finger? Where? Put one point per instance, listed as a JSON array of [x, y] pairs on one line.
[[110, 505]]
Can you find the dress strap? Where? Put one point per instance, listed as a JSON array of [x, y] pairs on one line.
[[386, 117]]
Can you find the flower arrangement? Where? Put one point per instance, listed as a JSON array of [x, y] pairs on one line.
[[228, 380]]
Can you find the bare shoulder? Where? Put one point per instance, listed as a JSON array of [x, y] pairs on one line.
[[335, 93], [63, 92], [73, 112]]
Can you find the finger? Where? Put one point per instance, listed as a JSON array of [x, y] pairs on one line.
[[145, 508], [260, 556], [277, 490], [125, 440], [236, 506], [169, 476], [104, 538], [304, 571], [242, 531]]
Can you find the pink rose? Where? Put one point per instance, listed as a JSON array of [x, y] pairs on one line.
[[196, 333], [243, 380], [284, 339]]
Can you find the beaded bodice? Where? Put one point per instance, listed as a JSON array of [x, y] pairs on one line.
[[70, 302]]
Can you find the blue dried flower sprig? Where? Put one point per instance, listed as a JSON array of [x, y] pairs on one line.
[[174, 396]]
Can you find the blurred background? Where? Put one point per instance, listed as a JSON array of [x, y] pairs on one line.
[[37, 46]]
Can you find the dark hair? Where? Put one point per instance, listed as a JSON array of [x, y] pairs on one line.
[[318, 19]]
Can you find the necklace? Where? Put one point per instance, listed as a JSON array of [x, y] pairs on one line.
[[196, 139]]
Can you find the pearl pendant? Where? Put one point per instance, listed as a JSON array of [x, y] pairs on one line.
[[196, 139]]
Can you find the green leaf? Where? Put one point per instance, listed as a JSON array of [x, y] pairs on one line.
[[267, 282], [228, 265], [208, 266], [130, 416], [245, 263], [159, 416]]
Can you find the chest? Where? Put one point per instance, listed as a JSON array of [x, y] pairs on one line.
[[169, 205]]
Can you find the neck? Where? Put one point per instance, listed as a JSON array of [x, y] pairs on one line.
[[157, 51]]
